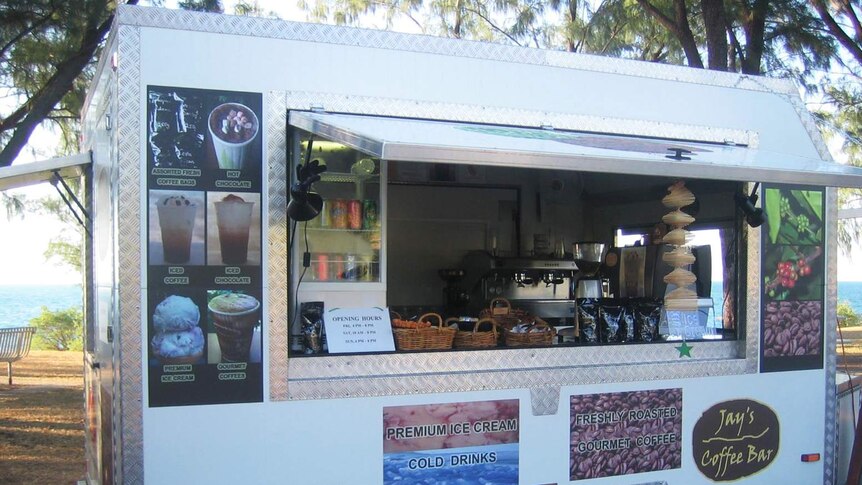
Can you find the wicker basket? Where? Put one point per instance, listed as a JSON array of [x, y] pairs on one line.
[[476, 339], [527, 339], [435, 337], [501, 311]]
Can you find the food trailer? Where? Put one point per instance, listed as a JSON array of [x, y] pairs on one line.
[[330, 255]]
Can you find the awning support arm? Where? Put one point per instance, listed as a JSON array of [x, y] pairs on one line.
[[55, 179]]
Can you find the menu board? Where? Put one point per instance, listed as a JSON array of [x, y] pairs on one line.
[[204, 309], [793, 271]]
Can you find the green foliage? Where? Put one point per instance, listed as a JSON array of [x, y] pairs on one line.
[[213, 6], [59, 330], [847, 316], [65, 248], [46, 53]]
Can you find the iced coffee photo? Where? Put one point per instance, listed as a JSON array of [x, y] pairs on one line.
[[176, 227], [235, 327], [233, 232]]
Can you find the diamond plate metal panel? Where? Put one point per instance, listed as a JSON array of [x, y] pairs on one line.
[[277, 263], [519, 379], [339, 103], [278, 29], [131, 468], [545, 400], [504, 360], [752, 286], [830, 334], [348, 376]]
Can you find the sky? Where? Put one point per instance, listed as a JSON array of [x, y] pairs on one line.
[[23, 242]]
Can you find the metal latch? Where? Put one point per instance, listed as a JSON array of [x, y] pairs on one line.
[[678, 154]]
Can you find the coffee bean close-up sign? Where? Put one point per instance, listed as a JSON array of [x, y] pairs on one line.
[[623, 433], [793, 270]]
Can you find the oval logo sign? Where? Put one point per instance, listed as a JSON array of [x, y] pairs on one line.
[[735, 439]]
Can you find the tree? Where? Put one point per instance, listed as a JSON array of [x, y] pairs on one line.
[[59, 330], [14, 205], [47, 54], [45, 49]]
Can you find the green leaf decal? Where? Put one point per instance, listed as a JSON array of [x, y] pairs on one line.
[[771, 202], [815, 200]]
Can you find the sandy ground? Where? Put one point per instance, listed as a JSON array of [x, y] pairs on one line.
[[42, 417], [42, 420]]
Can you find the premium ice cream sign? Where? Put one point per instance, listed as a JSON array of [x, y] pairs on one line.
[[622, 433], [735, 439], [465, 443]]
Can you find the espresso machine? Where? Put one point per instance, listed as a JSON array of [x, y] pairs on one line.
[[543, 287]]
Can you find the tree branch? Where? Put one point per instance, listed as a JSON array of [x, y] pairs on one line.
[[852, 47], [41, 104], [493, 25], [25, 32]]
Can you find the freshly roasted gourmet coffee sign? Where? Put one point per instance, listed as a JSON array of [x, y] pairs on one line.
[[735, 439], [621, 433]]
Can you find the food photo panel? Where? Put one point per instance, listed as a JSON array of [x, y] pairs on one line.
[[234, 327], [176, 227], [175, 333], [795, 215], [233, 230], [203, 139]]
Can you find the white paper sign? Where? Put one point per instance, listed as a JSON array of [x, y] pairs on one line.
[[358, 330]]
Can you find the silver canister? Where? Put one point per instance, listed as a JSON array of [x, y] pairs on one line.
[[350, 267], [325, 218], [366, 268]]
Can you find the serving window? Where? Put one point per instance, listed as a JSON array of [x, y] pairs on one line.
[[481, 256]]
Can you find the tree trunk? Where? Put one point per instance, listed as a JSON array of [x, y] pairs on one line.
[[679, 27], [715, 24], [754, 25], [853, 45]]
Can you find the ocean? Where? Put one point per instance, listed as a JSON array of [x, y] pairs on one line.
[[19, 304]]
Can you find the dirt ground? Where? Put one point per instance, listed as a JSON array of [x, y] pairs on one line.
[[42, 417], [42, 420]]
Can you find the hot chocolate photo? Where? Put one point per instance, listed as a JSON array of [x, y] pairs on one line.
[[233, 127]]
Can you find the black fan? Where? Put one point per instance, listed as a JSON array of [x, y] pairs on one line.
[[754, 216], [305, 205]]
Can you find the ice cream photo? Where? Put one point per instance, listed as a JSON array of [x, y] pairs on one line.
[[232, 127], [234, 316], [177, 336], [233, 232], [176, 227]]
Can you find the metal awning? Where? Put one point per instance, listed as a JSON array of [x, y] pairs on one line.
[[34, 173], [447, 142], [55, 171]]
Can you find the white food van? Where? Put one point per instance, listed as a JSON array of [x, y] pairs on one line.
[[228, 342]]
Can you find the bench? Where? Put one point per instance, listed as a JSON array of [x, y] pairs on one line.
[[15, 345]]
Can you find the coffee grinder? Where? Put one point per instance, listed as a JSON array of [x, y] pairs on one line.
[[588, 257], [455, 296]]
